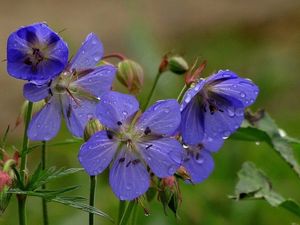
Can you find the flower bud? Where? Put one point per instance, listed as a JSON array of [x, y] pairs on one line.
[[5, 180], [178, 65], [182, 173], [169, 181], [5, 184], [92, 127], [131, 75]]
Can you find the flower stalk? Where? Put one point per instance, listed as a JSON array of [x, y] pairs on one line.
[[44, 202], [93, 182]]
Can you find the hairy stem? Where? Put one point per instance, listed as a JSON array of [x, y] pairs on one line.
[[181, 94], [44, 202], [22, 198], [93, 182], [152, 91], [22, 209]]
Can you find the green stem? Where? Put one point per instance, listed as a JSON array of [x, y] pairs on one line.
[[182, 92], [25, 142], [152, 91], [126, 215], [122, 206], [93, 181], [22, 198], [44, 201], [22, 209], [134, 215]]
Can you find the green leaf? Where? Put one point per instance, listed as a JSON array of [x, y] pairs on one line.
[[254, 184], [262, 128], [78, 204], [41, 177], [46, 194], [65, 142], [251, 134]]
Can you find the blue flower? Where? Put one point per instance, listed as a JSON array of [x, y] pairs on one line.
[[213, 108], [73, 94], [198, 161], [36, 53], [133, 142]]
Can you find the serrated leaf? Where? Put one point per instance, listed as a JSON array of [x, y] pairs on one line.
[[46, 194], [41, 177], [73, 202], [264, 129], [254, 184]]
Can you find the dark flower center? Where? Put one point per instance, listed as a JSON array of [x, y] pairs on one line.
[[34, 58]]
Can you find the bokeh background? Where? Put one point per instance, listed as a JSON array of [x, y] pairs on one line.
[[258, 39]]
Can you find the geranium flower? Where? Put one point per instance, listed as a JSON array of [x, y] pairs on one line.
[[74, 94], [36, 53], [214, 107], [133, 143]]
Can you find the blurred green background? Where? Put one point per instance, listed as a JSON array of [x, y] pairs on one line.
[[258, 39]]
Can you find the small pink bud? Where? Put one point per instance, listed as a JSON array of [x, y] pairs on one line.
[[169, 181], [5, 180]]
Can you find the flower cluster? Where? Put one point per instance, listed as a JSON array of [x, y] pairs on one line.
[[136, 145]]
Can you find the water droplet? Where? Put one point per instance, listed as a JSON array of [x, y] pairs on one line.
[[282, 133], [230, 111], [188, 98], [257, 143], [125, 113], [94, 42], [97, 58], [197, 88], [226, 134], [242, 94]]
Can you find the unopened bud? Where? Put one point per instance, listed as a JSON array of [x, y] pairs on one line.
[[183, 173], [169, 181], [131, 75], [92, 127], [178, 65], [5, 180]]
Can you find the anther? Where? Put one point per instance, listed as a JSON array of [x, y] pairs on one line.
[[147, 131]]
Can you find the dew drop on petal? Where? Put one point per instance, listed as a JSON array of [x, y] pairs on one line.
[[242, 94], [124, 113], [188, 98], [231, 112], [226, 134], [97, 58]]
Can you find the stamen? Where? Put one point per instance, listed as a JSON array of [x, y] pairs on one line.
[[149, 146], [147, 131], [121, 160], [119, 123], [128, 164], [136, 161], [109, 134], [72, 96]]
